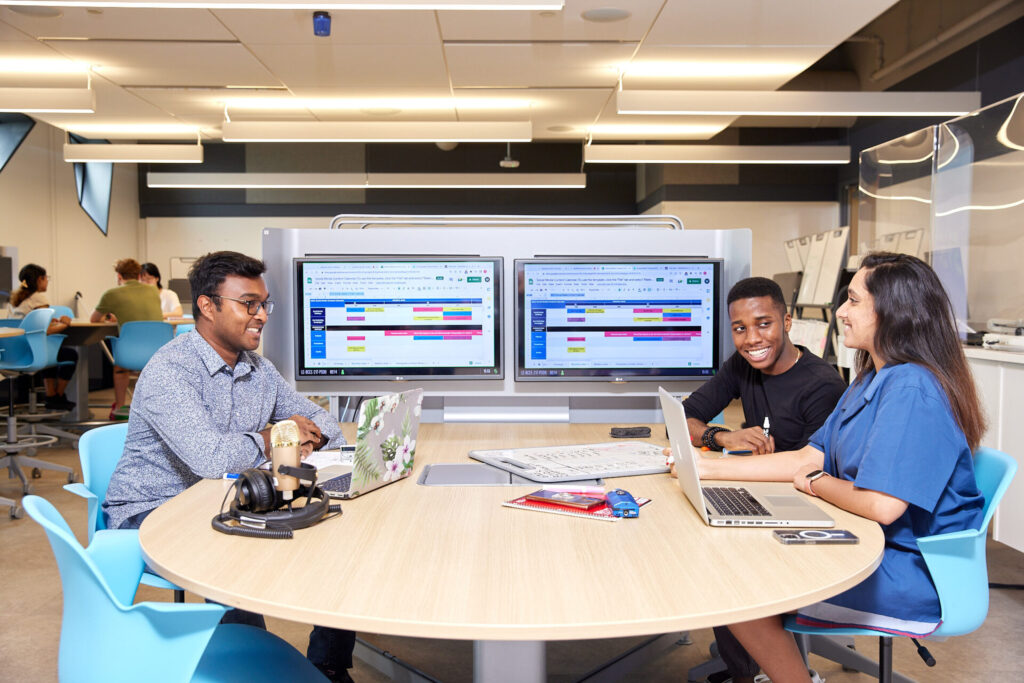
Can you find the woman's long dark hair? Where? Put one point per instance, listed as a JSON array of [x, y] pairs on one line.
[[916, 325], [29, 276], [152, 270]]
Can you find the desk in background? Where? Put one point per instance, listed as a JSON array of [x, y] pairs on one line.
[[450, 562], [80, 335]]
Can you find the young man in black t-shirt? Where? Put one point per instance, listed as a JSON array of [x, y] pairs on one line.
[[775, 380]]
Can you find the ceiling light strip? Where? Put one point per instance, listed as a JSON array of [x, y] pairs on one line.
[[48, 100], [526, 5], [266, 181], [376, 131], [795, 103], [716, 154], [137, 154]]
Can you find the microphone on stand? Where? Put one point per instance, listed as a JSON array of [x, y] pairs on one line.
[[284, 451]]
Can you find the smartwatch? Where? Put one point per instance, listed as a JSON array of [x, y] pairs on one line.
[[811, 476]]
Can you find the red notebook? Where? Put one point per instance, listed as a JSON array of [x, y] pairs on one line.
[[602, 512]]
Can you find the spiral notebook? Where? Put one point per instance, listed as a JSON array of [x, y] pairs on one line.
[[602, 512]]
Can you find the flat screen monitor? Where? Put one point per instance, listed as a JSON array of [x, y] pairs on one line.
[[627, 318], [430, 317]]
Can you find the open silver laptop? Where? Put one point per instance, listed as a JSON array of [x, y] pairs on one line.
[[385, 445], [741, 505]]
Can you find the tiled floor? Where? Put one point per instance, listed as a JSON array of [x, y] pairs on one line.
[[30, 613]]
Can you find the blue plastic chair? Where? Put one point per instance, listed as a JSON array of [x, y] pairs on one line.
[[104, 637], [138, 341], [58, 311], [184, 328], [956, 562], [99, 451], [26, 353]]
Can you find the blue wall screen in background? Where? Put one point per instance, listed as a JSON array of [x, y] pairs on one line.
[[14, 129], [94, 180]]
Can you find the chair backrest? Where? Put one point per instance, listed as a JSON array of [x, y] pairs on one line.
[[99, 451], [184, 328], [138, 341], [956, 561], [105, 637], [58, 311], [28, 352]]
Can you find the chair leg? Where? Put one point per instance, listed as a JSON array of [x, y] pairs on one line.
[[884, 660], [179, 595]]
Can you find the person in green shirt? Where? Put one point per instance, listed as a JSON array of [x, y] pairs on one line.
[[131, 300]]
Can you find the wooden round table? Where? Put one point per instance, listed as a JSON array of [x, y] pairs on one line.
[[451, 562]]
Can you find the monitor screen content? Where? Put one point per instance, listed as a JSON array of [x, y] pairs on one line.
[[399, 317], [622, 319]]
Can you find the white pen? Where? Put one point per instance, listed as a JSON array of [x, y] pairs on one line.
[[767, 424]]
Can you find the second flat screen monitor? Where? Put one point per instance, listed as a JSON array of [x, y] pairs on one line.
[[617, 318], [431, 317]]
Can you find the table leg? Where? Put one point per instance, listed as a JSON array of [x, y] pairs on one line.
[[511, 661], [80, 388]]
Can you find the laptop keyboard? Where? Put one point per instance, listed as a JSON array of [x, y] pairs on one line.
[[339, 484], [734, 501]]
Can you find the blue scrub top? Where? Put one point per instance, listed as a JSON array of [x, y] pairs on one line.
[[894, 432]]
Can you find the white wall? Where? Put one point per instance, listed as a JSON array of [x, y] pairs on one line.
[[42, 219], [772, 223]]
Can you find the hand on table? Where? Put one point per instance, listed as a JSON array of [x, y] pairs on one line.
[[309, 435], [750, 439]]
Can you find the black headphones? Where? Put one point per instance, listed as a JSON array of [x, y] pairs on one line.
[[259, 510]]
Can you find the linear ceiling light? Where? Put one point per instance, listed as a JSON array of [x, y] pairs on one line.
[[794, 103], [715, 154], [377, 131], [287, 103], [531, 5], [137, 154], [364, 180], [48, 100]]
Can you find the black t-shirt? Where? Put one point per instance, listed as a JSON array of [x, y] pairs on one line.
[[796, 402]]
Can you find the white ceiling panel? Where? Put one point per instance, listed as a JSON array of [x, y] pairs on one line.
[[551, 65], [561, 26], [762, 22], [122, 24], [9, 33], [170, 63], [718, 68], [346, 66], [347, 28], [568, 112]]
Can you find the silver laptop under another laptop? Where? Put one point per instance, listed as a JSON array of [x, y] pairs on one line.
[[732, 505]]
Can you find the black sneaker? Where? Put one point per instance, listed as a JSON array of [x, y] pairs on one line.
[[58, 403]]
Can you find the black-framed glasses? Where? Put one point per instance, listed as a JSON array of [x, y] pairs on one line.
[[252, 306]]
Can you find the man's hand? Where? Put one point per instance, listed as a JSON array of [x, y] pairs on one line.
[[751, 439], [310, 437]]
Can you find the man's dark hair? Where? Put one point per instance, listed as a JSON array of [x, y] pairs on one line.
[[754, 287], [209, 271]]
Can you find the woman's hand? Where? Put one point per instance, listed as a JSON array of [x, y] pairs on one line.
[[800, 482]]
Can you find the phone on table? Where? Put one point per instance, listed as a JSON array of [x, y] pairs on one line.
[[814, 536], [565, 498]]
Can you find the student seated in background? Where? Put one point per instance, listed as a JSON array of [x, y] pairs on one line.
[[30, 296], [201, 409], [897, 450], [170, 304], [130, 301], [773, 378]]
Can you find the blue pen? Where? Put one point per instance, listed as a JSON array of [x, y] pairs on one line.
[[230, 475]]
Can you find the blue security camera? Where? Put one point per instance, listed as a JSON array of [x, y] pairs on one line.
[[321, 24]]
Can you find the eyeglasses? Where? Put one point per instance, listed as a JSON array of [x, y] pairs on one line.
[[252, 306]]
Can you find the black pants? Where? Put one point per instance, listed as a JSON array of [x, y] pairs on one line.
[[329, 648]]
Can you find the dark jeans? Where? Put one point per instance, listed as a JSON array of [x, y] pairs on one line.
[[329, 648], [738, 661], [61, 371]]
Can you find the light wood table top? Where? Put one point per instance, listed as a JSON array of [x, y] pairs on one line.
[[11, 331], [450, 562]]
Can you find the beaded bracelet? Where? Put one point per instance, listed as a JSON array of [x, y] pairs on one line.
[[708, 437]]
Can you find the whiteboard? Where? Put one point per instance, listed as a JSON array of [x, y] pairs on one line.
[[832, 263], [812, 269]]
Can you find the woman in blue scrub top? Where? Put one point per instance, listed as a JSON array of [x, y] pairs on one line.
[[897, 449]]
